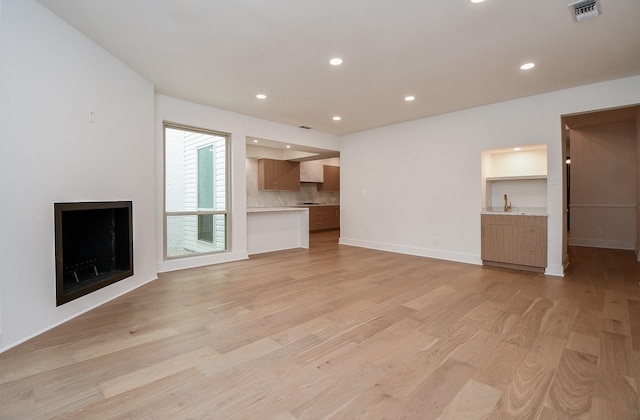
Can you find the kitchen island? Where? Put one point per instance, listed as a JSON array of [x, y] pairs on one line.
[[277, 228]]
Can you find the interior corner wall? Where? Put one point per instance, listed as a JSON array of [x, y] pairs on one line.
[[415, 187], [638, 185], [603, 186], [240, 127], [51, 78]]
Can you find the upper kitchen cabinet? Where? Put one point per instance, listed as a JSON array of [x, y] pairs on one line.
[[278, 175], [331, 178]]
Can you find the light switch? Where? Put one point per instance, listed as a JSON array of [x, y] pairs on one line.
[[92, 117], [553, 180]]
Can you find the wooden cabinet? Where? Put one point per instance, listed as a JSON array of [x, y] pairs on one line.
[[317, 218], [278, 175], [333, 217], [331, 178], [514, 239], [324, 217]]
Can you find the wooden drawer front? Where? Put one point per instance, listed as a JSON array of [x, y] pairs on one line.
[[317, 218], [540, 221], [535, 256], [532, 235], [501, 219]]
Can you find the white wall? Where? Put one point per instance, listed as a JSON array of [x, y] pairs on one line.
[[240, 127], [416, 188], [51, 77], [522, 163], [413, 187], [524, 195]]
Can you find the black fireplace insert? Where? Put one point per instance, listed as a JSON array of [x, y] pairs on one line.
[[94, 246]]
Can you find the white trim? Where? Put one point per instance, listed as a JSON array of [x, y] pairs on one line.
[[515, 178], [601, 243], [604, 206], [555, 270], [200, 261], [411, 250]]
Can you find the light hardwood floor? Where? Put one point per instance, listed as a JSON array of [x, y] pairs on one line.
[[344, 332]]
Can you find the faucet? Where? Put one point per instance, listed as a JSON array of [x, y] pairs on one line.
[[506, 207]]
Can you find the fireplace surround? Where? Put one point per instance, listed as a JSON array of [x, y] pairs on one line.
[[93, 246]]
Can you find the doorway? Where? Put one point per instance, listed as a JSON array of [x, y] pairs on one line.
[[601, 186]]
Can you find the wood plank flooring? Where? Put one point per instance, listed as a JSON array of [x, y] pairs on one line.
[[343, 332]]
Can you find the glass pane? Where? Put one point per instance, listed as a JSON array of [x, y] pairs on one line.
[[205, 178], [205, 227], [184, 180], [195, 234]]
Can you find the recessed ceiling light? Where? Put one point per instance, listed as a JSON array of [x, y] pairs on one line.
[[517, 149], [335, 61], [288, 146], [409, 98], [477, 1], [337, 118], [255, 140], [261, 96], [527, 66]]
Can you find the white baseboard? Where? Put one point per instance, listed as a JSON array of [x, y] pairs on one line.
[[555, 270], [411, 250], [601, 243], [200, 261]]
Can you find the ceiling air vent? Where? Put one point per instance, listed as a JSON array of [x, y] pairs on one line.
[[584, 9]]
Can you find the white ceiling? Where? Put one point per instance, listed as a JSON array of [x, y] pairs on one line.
[[450, 54]]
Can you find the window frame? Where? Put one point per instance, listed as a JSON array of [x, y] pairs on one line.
[[226, 212]]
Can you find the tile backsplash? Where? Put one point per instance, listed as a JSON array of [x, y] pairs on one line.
[[308, 192]]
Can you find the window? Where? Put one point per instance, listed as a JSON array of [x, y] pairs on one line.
[[196, 185], [205, 192]]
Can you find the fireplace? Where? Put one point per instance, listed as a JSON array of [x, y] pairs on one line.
[[94, 246]]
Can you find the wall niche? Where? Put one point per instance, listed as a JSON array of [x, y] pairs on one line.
[[520, 173]]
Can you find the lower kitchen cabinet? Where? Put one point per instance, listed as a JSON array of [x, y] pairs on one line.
[[518, 240], [324, 217], [333, 217]]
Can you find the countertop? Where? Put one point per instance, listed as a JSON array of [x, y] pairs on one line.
[[295, 207], [271, 209], [316, 205], [517, 211]]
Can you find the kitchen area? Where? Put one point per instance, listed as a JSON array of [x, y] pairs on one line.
[[291, 191]]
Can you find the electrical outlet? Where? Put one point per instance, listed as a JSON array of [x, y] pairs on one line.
[[599, 232]]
